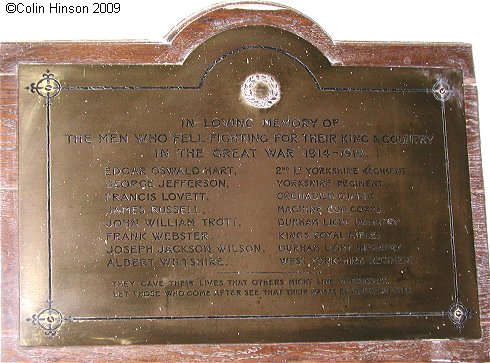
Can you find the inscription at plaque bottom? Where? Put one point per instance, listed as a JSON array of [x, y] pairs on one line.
[[255, 193]]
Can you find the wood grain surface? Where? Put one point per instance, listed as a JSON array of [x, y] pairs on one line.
[[178, 45]]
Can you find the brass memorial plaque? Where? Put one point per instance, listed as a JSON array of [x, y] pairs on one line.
[[255, 193]]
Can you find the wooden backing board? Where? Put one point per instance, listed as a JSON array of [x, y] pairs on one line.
[[176, 47]]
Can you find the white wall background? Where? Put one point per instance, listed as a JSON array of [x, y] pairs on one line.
[[383, 20]]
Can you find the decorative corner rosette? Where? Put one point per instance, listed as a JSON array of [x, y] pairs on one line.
[[442, 90], [49, 320], [47, 87], [459, 314]]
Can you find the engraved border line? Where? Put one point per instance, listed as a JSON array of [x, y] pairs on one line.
[[198, 87], [274, 316], [49, 193], [449, 202], [235, 51]]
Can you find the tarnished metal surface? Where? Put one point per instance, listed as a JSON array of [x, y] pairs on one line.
[[255, 193]]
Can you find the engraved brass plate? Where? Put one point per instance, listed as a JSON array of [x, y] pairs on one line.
[[255, 193]]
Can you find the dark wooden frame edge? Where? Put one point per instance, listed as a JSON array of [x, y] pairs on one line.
[[176, 47]]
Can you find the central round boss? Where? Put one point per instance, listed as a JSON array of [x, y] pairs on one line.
[[261, 90]]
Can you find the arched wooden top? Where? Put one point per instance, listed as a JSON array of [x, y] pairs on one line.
[[187, 35], [191, 32]]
